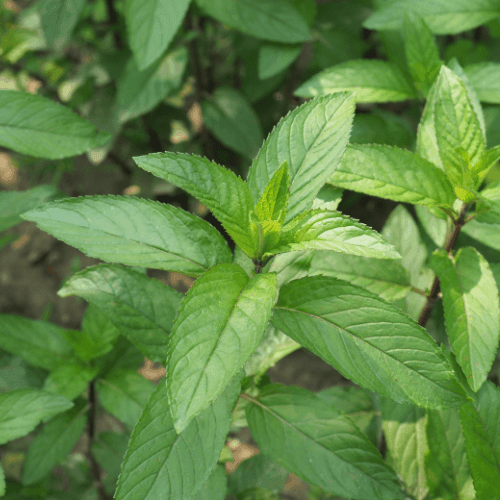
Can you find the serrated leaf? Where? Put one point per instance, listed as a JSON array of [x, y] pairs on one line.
[[54, 442], [387, 278], [40, 343], [405, 434], [224, 194], [276, 57], [371, 80], [471, 306], [159, 462], [22, 410], [483, 465], [124, 393], [140, 91], [230, 118], [422, 54], [311, 139], [324, 230], [70, 379], [59, 19], [304, 434], [488, 407], [367, 340], [143, 309], [36, 126], [134, 231], [205, 355], [14, 203], [484, 78], [151, 26], [393, 173], [443, 16], [214, 488], [447, 470], [274, 20]]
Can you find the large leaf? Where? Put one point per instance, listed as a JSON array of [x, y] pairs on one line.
[[311, 139], [160, 463], [124, 393], [14, 203], [405, 434], [274, 20], [151, 26], [36, 126], [59, 19], [471, 307], [304, 434], [140, 91], [215, 487], [134, 231], [483, 464], [367, 340], [225, 194], [484, 78], [392, 173], [22, 410], [325, 230], [40, 343], [219, 325], [371, 80], [387, 278], [488, 407], [443, 16], [54, 442], [142, 308], [229, 116]]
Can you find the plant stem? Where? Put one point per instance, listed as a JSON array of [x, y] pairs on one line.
[[435, 289]]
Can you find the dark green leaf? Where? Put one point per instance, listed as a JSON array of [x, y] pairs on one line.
[[276, 57], [70, 379], [109, 449], [214, 488]]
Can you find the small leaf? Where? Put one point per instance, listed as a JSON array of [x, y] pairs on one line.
[[151, 26], [471, 306], [160, 463], [304, 434], [273, 20], [205, 355], [311, 139], [134, 231], [368, 340], [371, 80], [22, 410]]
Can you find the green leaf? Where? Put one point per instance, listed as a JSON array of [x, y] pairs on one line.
[[36, 126], [205, 355], [54, 442], [488, 407], [22, 410], [15, 373], [124, 393], [224, 194], [214, 488], [484, 78], [436, 227], [443, 17], [70, 379], [387, 278], [422, 54], [151, 26], [143, 309], [328, 198], [140, 91], [59, 19], [229, 116], [371, 80], [311, 139], [14, 203], [108, 449], [447, 470], [304, 434], [40, 343], [405, 435], [134, 231], [273, 20], [2, 482], [276, 57], [160, 463], [482, 462], [471, 306], [392, 173], [324, 230], [367, 340], [485, 233]]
